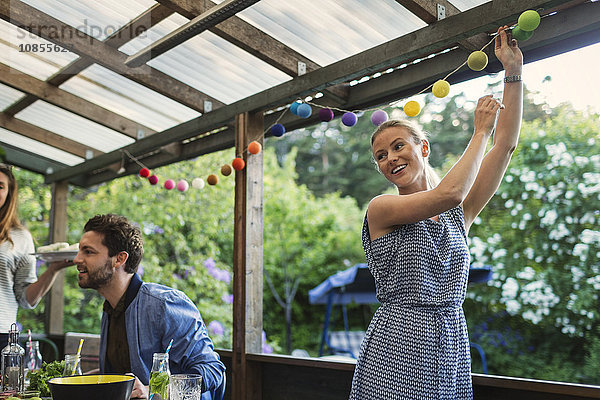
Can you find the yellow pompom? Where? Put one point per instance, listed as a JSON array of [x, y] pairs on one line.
[[441, 88], [477, 60], [412, 108]]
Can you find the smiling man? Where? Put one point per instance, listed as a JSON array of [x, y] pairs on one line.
[[140, 318]]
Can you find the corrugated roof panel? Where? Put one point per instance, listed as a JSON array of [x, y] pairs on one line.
[[8, 96], [95, 18], [464, 5], [39, 148], [209, 63], [327, 31], [74, 127], [22, 51], [130, 99]]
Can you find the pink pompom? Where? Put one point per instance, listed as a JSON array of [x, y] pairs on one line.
[[182, 185], [169, 184]]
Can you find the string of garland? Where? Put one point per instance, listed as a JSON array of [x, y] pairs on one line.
[[528, 21]]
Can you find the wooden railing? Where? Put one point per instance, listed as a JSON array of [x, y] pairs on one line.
[[275, 377]]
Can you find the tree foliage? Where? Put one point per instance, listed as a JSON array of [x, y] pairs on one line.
[[540, 234]]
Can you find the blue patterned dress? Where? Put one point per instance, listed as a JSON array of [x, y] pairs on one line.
[[417, 345]]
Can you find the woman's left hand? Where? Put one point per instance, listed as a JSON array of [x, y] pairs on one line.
[[508, 52]]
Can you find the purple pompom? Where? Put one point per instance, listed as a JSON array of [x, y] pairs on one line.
[[325, 114], [349, 119], [379, 117], [278, 130]]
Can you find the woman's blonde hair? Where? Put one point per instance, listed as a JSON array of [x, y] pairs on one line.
[[8, 211], [418, 135]]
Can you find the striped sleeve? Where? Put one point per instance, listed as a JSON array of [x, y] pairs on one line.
[[25, 272]]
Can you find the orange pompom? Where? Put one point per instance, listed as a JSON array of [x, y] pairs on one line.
[[254, 147], [212, 179], [238, 164]]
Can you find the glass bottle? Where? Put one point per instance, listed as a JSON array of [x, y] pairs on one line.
[[33, 358], [159, 376], [72, 365], [12, 365]]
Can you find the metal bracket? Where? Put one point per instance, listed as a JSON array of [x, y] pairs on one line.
[[89, 154], [301, 68], [207, 106], [441, 12], [140, 133]]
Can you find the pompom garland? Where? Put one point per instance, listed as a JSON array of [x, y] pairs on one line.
[[477, 61]]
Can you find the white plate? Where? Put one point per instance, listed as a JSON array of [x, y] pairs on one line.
[[51, 256]]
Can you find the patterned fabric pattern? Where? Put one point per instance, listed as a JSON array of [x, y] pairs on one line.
[[417, 345]]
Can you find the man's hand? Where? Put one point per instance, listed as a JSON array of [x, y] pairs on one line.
[[139, 390]]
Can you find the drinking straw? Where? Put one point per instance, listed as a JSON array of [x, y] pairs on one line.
[[78, 355], [30, 349], [162, 363]]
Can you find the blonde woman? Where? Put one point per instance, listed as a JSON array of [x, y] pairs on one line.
[[417, 345]]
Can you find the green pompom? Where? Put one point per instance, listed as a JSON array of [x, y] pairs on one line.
[[529, 20]]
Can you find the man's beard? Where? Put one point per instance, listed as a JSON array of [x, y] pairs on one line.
[[98, 278]]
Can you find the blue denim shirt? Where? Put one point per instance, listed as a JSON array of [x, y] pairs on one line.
[[155, 315]]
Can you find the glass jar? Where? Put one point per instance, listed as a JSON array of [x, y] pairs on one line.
[[12, 365], [72, 365], [159, 376]]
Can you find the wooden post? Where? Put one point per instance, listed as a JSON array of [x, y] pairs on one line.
[[55, 300], [247, 257], [254, 255]]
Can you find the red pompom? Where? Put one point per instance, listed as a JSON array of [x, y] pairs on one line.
[[238, 164], [144, 172], [153, 179]]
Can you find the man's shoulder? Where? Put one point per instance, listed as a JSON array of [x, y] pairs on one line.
[[161, 293]]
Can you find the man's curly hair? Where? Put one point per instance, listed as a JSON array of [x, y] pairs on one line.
[[119, 235]]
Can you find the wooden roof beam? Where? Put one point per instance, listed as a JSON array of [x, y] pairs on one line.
[[67, 101], [45, 136], [47, 27], [427, 10], [134, 28]]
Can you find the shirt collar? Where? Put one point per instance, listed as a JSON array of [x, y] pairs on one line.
[[132, 290]]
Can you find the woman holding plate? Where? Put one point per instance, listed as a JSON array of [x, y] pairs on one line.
[[19, 285]]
